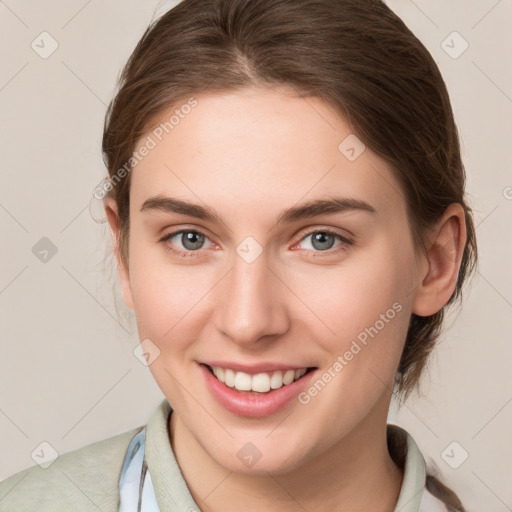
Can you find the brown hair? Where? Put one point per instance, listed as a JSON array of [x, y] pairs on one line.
[[356, 55]]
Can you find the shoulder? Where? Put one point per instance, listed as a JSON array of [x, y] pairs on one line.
[[83, 479]]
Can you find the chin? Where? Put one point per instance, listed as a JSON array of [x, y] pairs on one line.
[[257, 458]]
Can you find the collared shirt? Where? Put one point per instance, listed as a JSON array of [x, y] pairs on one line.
[[173, 492], [138, 471]]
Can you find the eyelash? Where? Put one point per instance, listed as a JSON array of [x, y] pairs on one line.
[[191, 254]]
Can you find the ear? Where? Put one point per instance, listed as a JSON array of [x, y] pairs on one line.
[[443, 258], [110, 206]]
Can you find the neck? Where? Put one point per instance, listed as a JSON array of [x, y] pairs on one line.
[[358, 473]]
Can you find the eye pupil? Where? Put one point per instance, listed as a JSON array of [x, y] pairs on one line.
[[319, 240], [192, 240]]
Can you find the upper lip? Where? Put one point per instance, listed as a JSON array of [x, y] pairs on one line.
[[253, 369]]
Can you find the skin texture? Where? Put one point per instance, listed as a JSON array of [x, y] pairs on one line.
[[249, 155]]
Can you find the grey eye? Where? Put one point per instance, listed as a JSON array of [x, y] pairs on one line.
[[191, 240], [321, 240]]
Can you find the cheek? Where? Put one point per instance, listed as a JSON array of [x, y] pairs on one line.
[[352, 297], [169, 300], [367, 309], [169, 303], [369, 313]]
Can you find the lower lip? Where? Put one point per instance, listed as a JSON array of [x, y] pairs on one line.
[[254, 406]]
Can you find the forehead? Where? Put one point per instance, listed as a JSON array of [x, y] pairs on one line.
[[259, 145]]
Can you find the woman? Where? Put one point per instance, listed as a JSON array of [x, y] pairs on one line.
[[286, 199]]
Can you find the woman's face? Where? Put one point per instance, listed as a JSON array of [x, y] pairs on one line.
[[260, 282]]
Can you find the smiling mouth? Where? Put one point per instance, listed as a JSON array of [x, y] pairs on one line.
[[260, 383]]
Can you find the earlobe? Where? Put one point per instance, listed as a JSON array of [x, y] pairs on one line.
[[110, 206], [443, 259]]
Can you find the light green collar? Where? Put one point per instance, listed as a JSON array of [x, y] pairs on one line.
[[415, 474]]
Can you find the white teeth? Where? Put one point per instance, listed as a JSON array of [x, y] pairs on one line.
[[288, 377], [261, 382], [300, 373], [243, 381], [276, 381], [219, 373], [229, 377]]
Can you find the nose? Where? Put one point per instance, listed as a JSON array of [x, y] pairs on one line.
[[251, 303]]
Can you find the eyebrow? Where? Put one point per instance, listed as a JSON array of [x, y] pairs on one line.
[[307, 210]]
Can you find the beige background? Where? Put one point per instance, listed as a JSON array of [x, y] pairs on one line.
[[68, 374]]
